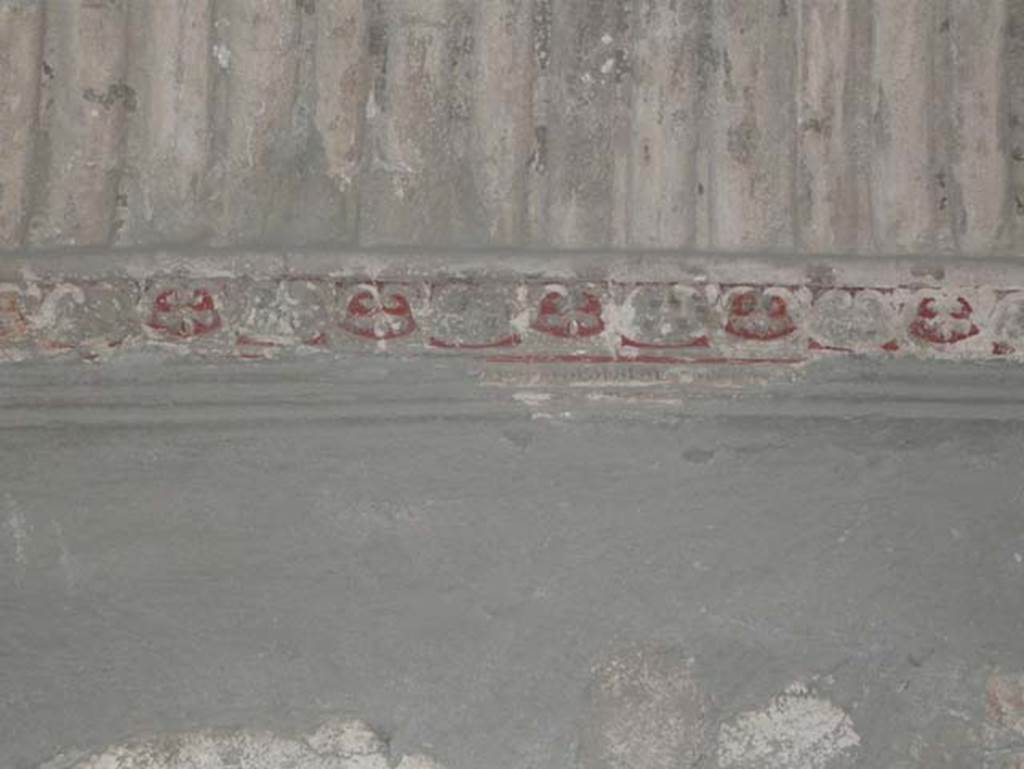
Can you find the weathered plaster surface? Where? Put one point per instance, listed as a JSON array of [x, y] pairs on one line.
[[199, 563], [811, 126]]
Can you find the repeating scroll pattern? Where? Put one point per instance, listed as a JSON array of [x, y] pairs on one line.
[[509, 318]]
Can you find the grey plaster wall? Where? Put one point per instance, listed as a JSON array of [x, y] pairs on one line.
[[818, 126], [199, 566]]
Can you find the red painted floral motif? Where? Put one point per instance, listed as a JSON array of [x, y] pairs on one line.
[[759, 316], [184, 315], [375, 313], [940, 324], [569, 315], [651, 321]]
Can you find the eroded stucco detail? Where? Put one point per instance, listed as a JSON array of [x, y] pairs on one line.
[[796, 730], [336, 744]]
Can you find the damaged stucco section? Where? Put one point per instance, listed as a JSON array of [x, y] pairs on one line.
[[336, 744], [645, 710], [648, 708], [1004, 733], [795, 731]]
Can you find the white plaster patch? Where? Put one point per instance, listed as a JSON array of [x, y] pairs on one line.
[[222, 54], [337, 744], [795, 731], [532, 399], [19, 531], [418, 762]]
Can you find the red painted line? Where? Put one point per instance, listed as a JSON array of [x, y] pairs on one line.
[[816, 345], [509, 341], [702, 341], [646, 359], [249, 341]]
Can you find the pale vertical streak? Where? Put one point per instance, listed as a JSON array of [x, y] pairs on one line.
[[82, 121], [21, 34], [754, 131], [975, 97], [169, 138], [905, 194]]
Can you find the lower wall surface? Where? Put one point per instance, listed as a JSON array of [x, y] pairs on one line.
[[367, 561]]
